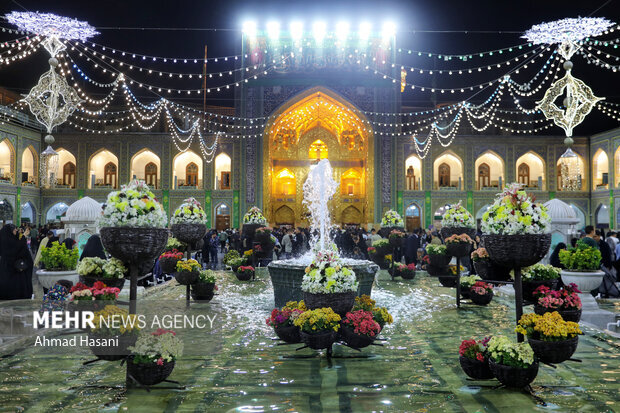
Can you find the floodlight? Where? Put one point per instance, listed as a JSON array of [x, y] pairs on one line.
[[342, 30], [319, 30], [249, 28], [297, 30], [389, 30], [273, 30], [365, 28]]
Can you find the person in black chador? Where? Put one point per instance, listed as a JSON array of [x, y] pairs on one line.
[[15, 265], [93, 248]]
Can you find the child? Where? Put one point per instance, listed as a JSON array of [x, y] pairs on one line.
[[56, 297]]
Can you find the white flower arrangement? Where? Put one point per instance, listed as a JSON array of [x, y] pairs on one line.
[[189, 212], [457, 216], [133, 206], [514, 212], [157, 347], [392, 219], [326, 275], [97, 267], [254, 216]]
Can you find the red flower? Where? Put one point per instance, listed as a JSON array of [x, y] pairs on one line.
[[160, 361], [98, 285], [161, 331], [479, 357]]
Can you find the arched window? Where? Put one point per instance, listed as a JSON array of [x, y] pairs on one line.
[[351, 183], [150, 174], [191, 174], [444, 175], [524, 174], [285, 183], [484, 176], [413, 173], [109, 174], [7, 159], [222, 171], [68, 174]]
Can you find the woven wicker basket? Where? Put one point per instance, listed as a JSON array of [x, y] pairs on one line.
[[475, 369], [202, 291], [355, 340], [554, 351], [188, 233], [530, 286], [149, 374], [448, 232], [517, 250], [134, 245], [113, 353], [458, 250], [244, 276], [288, 334], [168, 265], [439, 261], [109, 282], [481, 299], [483, 269], [447, 280], [340, 303], [407, 275], [318, 341], [514, 376], [567, 315], [186, 277], [437, 271]]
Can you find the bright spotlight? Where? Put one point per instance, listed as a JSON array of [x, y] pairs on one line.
[[297, 30], [342, 30], [273, 30], [319, 30], [365, 28], [249, 28], [389, 29]]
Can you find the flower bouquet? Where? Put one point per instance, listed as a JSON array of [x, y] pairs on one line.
[[439, 259], [57, 257], [111, 272], [235, 263], [396, 238], [405, 271], [371, 251], [513, 364], [537, 275], [382, 247], [379, 314], [231, 254], [516, 229], [458, 220], [327, 283], [552, 339], [254, 217], [245, 273], [187, 272], [392, 219], [566, 301], [481, 293], [318, 327], [459, 245], [204, 288], [153, 356], [359, 329], [473, 358], [168, 261], [283, 321], [113, 322]]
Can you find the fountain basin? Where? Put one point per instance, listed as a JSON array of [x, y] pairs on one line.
[[287, 275]]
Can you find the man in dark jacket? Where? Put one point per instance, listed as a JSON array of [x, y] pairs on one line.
[[412, 243], [605, 250]]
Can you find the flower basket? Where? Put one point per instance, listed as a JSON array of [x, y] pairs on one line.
[[567, 315], [458, 249], [448, 232], [318, 341], [113, 353], [288, 334], [437, 271], [530, 286], [383, 250], [134, 245], [341, 303], [478, 370], [202, 291], [439, 261], [499, 272], [110, 282], [517, 250], [447, 281], [483, 269], [355, 340], [554, 351], [149, 374], [186, 277], [168, 265], [514, 376], [407, 275], [244, 275], [479, 299], [188, 233]]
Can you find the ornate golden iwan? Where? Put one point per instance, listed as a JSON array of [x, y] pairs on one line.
[[314, 125]]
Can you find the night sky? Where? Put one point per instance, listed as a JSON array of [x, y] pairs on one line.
[[410, 17]]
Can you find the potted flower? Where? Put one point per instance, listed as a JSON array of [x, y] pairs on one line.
[[552, 339], [392, 219], [481, 293], [59, 263], [153, 356], [168, 260], [111, 272], [230, 255], [174, 244], [449, 280], [262, 235], [133, 225], [235, 263], [379, 314], [473, 358], [566, 301], [283, 321], [327, 283], [466, 283], [204, 288], [396, 238], [457, 220], [187, 272], [482, 262], [405, 271], [583, 267], [113, 322], [318, 327], [516, 229], [245, 273], [537, 275], [252, 220], [513, 364], [459, 245], [359, 329], [371, 251], [188, 222], [438, 256], [102, 292]]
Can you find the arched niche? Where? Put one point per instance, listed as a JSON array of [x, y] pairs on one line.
[[489, 170], [530, 169], [284, 182], [7, 161], [56, 211], [67, 168], [580, 171], [146, 166], [30, 166], [600, 170], [29, 213], [103, 170], [413, 173], [351, 183], [413, 217], [222, 216], [6, 211], [284, 216], [187, 170], [223, 168], [448, 171]]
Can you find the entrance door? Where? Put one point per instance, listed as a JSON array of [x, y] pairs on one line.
[[222, 217], [444, 175], [484, 176], [412, 217]]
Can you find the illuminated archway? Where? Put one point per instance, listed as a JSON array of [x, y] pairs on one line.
[[103, 166], [530, 169], [146, 166], [489, 168], [284, 216], [284, 182], [30, 166], [223, 165], [413, 173], [67, 168], [7, 161], [582, 171], [448, 169], [600, 170], [187, 170], [319, 124]]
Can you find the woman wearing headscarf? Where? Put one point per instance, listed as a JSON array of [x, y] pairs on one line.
[[93, 248], [69, 243], [15, 265], [555, 255]]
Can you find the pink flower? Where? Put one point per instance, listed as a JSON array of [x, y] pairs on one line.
[[160, 361]]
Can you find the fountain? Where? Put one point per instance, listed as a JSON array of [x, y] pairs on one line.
[[286, 275]]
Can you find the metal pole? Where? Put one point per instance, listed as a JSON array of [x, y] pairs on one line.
[[458, 281], [518, 299]]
